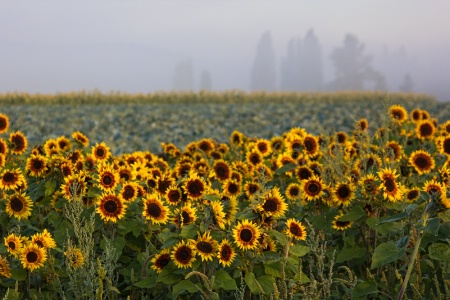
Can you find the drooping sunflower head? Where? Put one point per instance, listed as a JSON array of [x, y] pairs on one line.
[[205, 246], [19, 205], [276, 144], [183, 255], [237, 138], [33, 257], [110, 207], [398, 113], [194, 186], [340, 225], [5, 269], [74, 257], [425, 129], [273, 203], [18, 142], [246, 235], [155, 210], [80, 138], [4, 123], [295, 229], [226, 253], [161, 260], [422, 161]]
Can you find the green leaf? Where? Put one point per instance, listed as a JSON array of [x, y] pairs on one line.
[[50, 187], [211, 197], [286, 168], [280, 237], [184, 285], [350, 252], [247, 216], [354, 214], [273, 268], [223, 280], [18, 274], [394, 218], [146, 283], [302, 278], [432, 226], [189, 231], [261, 285], [384, 254], [411, 207], [403, 242], [299, 250], [365, 288], [439, 251], [168, 276]]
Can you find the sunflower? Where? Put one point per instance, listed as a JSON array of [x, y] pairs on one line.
[[108, 178], [273, 203], [3, 146], [161, 260], [392, 191], [445, 127], [412, 194], [129, 192], [74, 187], [195, 187], [263, 146], [125, 174], [11, 179], [369, 185], [163, 183], [226, 253], [425, 129], [276, 143], [110, 207], [155, 210], [185, 216], [36, 165], [4, 123], [230, 207], [219, 216], [19, 206], [303, 172], [443, 145], [254, 158], [183, 255], [295, 229], [312, 188], [433, 187], [51, 147], [251, 188], [311, 145], [5, 269], [173, 195], [369, 161], [344, 193], [66, 168], [80, 138], [246, 235], [422, 161], [416, 115], [14, 244], [340, 225], [205, 246], [64, 143], [2, 160], [237, 138], [101, 152], [74, 257], [221, 170], [293, 191], [33, 257], [43, 240], [231, 187], [394, 151], [19, 142], [398, 113]]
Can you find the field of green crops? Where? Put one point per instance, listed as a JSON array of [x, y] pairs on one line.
[[227, 195]]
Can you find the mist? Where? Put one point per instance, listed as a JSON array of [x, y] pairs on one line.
[[150, 46]]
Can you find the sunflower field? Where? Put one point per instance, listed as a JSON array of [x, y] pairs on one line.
[[224, 196]]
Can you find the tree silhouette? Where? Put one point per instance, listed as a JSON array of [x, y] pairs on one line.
[[353, 68], [184, 76], [262, 75]]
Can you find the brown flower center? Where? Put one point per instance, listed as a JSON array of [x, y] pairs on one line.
[[246, 235], [16, 204], [154, 210], [32, 257], [8, 177], [111, 206], [205, 247], [270, 205]]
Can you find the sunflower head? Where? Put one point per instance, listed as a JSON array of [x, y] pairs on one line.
[[19, 142], [205, 246], [33, 257], [273, 203], [161, 260], [226, 253], [110, 207], [425, 129], [4, 123], [101, 152], [422, 161], [398, 113], [183, 255], [74, 257], [295, 229], [194, 186], [14, 244], [36, 165], [19, 205], [5, 269], [340, 225], [155, 210], [246, 235], [80, 138]]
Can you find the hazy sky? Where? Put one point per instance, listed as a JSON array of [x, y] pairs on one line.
[[134, 46]]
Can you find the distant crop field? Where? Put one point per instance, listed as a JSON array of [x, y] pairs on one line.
[[224, 196]]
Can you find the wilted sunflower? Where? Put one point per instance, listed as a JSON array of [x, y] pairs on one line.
[[344, 193], [43, 240], [312, 188], [425, 129], [273, 203], [293, 191], [14, 244], [33, 257], [194, 186], [129, 192], [340, 225], [154, 210], [254, 158], [185, 216], [74, 257], [246, 235], [19, 206], [412, 194], [36, 165], [295, 229], [11, 179], [391, 189], [5, 269], [101, 152], [205, 246], [18, 142], [80, 138], [74, 187], [226, 253], [422, 161], [394, 151], [398, 113], [183, 255], [161, 260], [110, 207], [108, 178], [4, 123], [221, 170]]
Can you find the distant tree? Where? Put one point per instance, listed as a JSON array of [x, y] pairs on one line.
[[184, 76], [205, 81], [353, 68], [407, 85], [262, 75], [290, 66]]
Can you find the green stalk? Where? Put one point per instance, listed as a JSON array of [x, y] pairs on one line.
[[410, 268]]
